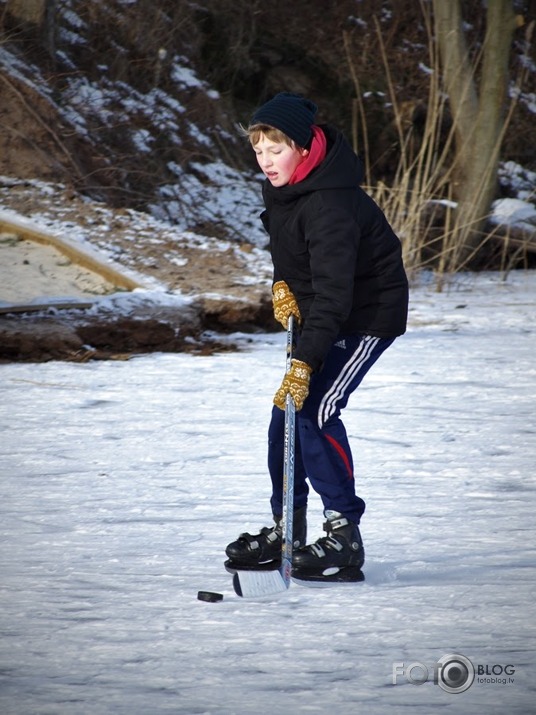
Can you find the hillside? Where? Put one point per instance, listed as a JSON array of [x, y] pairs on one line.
[[125, 113], [136, 103]]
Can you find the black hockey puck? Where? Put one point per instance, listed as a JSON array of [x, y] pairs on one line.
[[209, 596]]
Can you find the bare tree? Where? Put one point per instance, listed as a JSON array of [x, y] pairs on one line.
[[478, 109], [27, 11], [37, 16]]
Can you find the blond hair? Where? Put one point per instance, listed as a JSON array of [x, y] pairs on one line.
[[254, 132]]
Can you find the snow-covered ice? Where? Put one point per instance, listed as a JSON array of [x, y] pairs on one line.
[[122, 482]]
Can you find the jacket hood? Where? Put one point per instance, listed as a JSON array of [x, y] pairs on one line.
[[341, 169]]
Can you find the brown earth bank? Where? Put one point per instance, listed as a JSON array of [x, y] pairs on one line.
[[204, 289], [76, 336]]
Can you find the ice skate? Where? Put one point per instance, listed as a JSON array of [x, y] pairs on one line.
[[263, 550], [338, 556]]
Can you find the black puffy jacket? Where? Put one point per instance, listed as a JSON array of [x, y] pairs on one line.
[[336, 251]]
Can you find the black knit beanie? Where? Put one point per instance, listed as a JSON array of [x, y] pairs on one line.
[[290, 113]]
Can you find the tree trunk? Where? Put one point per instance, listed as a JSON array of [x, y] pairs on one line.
[[31, 12], [478, 114], [35, 17]]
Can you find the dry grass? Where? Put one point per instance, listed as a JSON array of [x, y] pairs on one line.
[[419, 202]]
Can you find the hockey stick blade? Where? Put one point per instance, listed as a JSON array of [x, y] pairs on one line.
[[256, 584]]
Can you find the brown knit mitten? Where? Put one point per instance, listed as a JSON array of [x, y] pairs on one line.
[[284, 303], [295, 383]]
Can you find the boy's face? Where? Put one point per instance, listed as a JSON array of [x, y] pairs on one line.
[[278, 160]]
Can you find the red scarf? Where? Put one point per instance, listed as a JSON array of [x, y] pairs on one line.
[[316, 155]]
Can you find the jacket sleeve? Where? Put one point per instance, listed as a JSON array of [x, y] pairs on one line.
[[266, 223], [332, 239]]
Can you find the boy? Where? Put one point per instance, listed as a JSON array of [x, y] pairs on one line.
[[338, 269]]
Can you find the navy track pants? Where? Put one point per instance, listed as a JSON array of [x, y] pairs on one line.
[[323, 455]]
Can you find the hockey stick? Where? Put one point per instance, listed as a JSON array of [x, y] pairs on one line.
[[254, 584], [287, 519]]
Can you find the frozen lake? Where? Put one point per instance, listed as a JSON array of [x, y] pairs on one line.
[[122, 482]]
